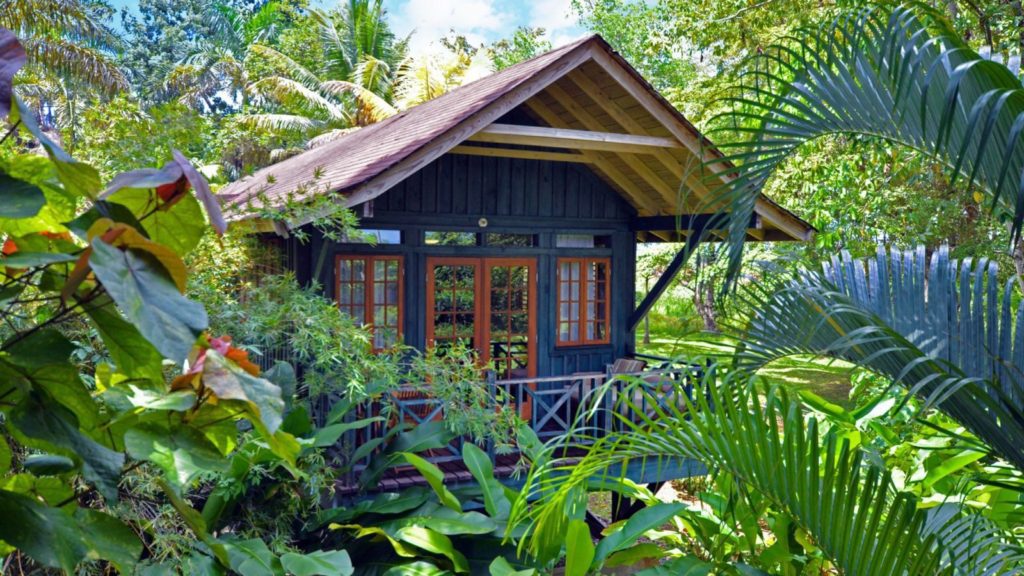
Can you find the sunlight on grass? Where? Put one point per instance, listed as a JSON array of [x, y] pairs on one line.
[[827, 378]]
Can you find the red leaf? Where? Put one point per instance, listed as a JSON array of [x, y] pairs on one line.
[[9, 247]]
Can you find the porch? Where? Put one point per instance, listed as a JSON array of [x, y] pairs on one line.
[[551, 406]]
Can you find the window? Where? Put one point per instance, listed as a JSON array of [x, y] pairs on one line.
[[441, 238], [369, 289], [519, 240], [582, 241], [373, 236], [583, 304]]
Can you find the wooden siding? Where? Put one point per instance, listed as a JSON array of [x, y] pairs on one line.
[[460, 185], [516, 196]]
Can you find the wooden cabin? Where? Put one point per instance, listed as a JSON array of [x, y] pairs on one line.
[[506, 214]]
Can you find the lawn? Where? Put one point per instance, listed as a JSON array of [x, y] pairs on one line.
[[829, 379]]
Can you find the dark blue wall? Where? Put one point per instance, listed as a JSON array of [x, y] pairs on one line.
[[516, 196]]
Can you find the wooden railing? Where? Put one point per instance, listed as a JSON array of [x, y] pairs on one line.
[[550, 405]]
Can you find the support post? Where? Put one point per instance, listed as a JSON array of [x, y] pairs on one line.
[[671, 271]]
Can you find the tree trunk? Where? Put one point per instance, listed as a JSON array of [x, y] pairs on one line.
[[1018, 261], [704, 301]]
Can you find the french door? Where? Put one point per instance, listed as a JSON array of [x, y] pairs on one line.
[[488, 304]]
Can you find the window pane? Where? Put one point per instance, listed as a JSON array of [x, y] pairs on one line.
[[445, 238], [574, 240], [373, 236], [494, 239], [345, 270]]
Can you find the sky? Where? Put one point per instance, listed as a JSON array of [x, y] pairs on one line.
[[481, 21]]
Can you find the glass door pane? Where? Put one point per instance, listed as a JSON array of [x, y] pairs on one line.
[[453, 316], [510, 304]]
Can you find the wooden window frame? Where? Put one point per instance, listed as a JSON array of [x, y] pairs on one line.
[[581, 319], [368, 292]]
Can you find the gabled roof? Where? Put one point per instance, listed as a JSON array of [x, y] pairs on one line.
[[583, 89]]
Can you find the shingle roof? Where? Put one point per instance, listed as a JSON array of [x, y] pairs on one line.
[[365, 153], [360, 163]]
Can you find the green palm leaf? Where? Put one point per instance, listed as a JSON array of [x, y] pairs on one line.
[[896, 73], [767, 443], [946, 330]]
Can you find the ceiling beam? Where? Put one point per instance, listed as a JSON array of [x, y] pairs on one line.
[[687, 134], [577, 139], [519, 153], [624, 183], [679, 168], [669, 191]]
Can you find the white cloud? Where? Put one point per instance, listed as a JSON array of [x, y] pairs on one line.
[[479, 20], [556, 17]]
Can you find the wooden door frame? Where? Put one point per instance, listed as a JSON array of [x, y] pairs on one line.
[[482, 308]]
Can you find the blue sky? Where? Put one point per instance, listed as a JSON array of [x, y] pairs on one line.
[[479, 20]]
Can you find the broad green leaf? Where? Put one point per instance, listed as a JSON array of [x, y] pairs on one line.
[[229, 382], [435, 478], [951, 465], [329, 435], [107, 538], [57, 427], [5, 457], [479, 465], [252, 558], [579, 549], [149, 299], [501, 567], [684, 566], [180, 227], [179, 401], [31, 259], [378, 532], [319, 563], [134, 356], [19, 199], [57, 539], [385, 503], [434, 542], [443, 520], [420, 568], [60, 204], [646, 519], [47, 464], [182, 454], [634, 554]]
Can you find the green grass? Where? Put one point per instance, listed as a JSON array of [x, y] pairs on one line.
[[829, 379]]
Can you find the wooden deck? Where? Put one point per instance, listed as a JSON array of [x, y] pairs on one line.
[[550, 406]]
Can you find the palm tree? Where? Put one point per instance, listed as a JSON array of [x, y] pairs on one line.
[[770, 446], [366, 76], [68, 45], [65, 38], [945, 330], [895, 73], [217, 64]]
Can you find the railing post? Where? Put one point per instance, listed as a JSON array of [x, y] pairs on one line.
[[609, 407], [492, 389]]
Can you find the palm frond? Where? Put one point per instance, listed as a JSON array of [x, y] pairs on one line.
[[833, 491], [948, 331], [896, 73], [286, 65], [292, 122], [286, 90], [372, 108], [85, 64]]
